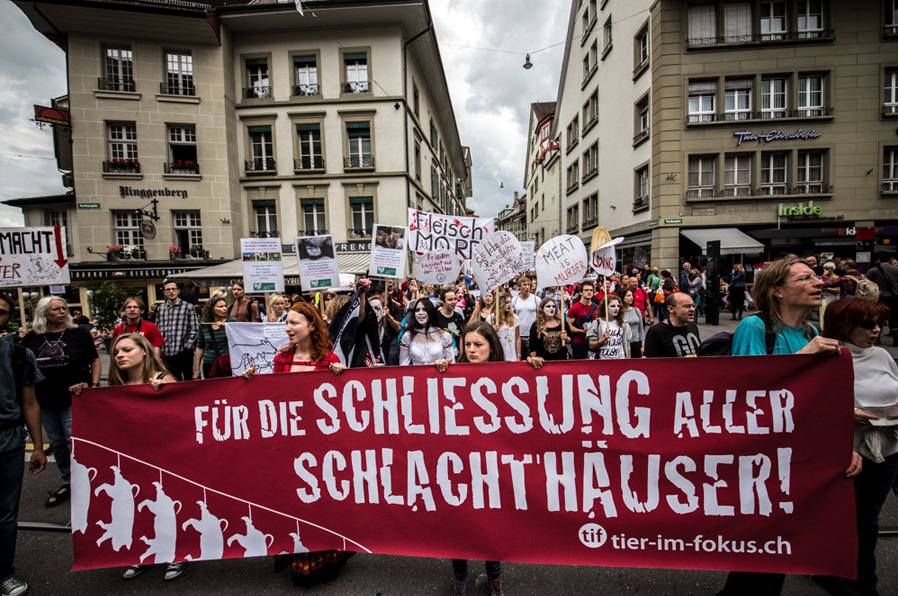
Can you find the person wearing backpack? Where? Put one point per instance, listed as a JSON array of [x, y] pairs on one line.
[[579, 316], [885, 275], [787, 291], [18, 407]]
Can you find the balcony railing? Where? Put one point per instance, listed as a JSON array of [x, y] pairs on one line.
[[358, 161], [640, 203], [738, 191], [589, 175], [890, 186], [572, 187], [813, 188], [115, 84], [590, 222], [890, 109], [764, 115], [181, 167], [268, 234], [588, 125], [311, 162], [121, 166], [359, 232], [312, 232], [256, 92], [356, 87], [573, 229], [640, 136], [260, 164], [177, 89], [640, 67], [306, 90], [135, 254], [759, 38]]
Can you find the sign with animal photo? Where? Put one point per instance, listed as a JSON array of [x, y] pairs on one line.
[[255, 344], [262, 265], [317, 263], [33, 257], [388, 252]]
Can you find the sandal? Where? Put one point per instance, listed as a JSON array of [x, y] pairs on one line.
[[60, 496]]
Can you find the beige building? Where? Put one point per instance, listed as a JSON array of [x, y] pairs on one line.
[[247, 119], [542, 175], [513, 218], [770, 126]]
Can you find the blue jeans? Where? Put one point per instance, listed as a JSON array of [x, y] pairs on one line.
[[12, 469], [871, 488], [460, 569], [57, 422]]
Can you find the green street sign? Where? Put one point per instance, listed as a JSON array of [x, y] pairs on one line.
[[88, 205], [673, 220], [653, 223]]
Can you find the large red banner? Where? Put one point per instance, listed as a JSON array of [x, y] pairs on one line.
[[713, 463]]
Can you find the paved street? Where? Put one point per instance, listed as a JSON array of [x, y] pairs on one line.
[[45, 559]]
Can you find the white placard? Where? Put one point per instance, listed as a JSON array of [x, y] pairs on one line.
[[255, 344], [604, 258], [496, 260], [529, 248], [560, 261], [388, 252], [317, 263], [435, 231], [263, 269], [438, 267], [33, 257]]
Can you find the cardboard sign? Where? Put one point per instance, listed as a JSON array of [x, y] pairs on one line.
[[662, 463], [388, 252], [496, 260], [317, 263], [438, 267], [255, 344], [560, 261], [435, 231], [33, 257], [263, 270]]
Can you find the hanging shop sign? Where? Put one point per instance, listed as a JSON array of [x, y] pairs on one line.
[[774, 135], [150, 193]]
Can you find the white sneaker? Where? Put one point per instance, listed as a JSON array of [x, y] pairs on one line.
[[133, 571], [14, 587], [174, 570]]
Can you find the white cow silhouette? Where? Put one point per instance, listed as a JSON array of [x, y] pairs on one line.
[[211, 533], [121, 526], [81, 480], [165, 526], [254, 542]]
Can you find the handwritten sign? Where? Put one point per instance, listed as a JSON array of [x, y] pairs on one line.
[[604, 257], [496, 260], [435, 231], [255, 344], [529, 248], [33, 257], [560, 261], [262, 266], [438, 267]]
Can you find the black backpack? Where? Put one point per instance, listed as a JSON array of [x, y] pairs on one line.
[[721, 344]]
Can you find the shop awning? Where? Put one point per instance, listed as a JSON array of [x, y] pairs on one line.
[[732, 240]]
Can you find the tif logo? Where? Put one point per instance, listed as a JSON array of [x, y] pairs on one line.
[[592, 535]]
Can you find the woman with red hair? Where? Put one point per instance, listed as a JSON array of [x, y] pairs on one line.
[[309, 349], [857, 323]]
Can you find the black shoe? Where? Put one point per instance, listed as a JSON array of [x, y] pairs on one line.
[[837, 586]]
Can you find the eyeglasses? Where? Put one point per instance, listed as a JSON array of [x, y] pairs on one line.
[[804, 279], [170, 290], [862, 324]]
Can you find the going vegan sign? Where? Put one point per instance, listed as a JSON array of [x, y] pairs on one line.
[[640, 463]]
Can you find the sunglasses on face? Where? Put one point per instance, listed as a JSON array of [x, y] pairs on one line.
[[862, 324]]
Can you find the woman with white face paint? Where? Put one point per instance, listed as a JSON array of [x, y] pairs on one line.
[[424, 342], [609, 336], [548, 340]]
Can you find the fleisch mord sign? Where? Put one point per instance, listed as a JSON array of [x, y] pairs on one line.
[[33, 257]]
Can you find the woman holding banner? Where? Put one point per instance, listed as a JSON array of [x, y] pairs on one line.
[[857, 323], [308, 349], [424, 342]]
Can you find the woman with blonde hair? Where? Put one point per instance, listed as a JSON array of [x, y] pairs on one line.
[[483, 309], [277, 308], [506, 325], [133, 362]]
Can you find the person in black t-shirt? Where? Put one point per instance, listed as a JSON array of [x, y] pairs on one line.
[[678, 336], [450, 319]]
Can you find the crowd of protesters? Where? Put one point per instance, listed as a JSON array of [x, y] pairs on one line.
[[803, 306]]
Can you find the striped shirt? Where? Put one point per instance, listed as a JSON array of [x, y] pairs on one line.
[[178, 324]]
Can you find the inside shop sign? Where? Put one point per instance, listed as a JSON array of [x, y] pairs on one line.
[[774, 135], [800, 209]]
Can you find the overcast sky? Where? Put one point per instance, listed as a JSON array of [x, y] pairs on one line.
[[491, 92]]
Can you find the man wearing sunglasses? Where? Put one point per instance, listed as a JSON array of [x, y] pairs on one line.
[[786, 292], [18, 407]]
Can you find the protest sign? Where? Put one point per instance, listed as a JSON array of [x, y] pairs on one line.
[[560, 261], [33, 257], [604, 258], [496, 260], [262, 268], [317, 262], [677, 463], [435, 231], [388, 252], [529, 246], [438, 267], [254, 344]]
